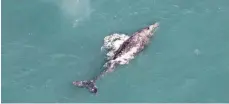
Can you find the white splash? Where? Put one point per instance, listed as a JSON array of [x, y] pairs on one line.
[[112, 43]]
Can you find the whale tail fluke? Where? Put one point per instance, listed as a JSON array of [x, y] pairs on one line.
[[89, 84]]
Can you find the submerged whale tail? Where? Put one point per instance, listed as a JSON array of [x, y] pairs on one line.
[[89, 84]]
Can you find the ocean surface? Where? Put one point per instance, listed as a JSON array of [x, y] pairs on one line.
[[47, 44]]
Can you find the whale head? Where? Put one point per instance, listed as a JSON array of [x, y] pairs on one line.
[[148, 31]]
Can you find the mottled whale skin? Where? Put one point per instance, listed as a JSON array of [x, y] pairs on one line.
[[126, 52]]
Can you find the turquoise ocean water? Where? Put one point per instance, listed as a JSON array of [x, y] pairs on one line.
[[47, 44]]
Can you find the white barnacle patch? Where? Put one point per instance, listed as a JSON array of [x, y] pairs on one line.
[[126, 57]]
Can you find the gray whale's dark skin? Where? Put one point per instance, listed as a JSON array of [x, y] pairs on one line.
[[131, 47]]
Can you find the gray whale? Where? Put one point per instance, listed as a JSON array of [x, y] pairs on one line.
[[126, 52]]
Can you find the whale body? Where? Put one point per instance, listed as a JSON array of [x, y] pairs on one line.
[[122, 54]]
